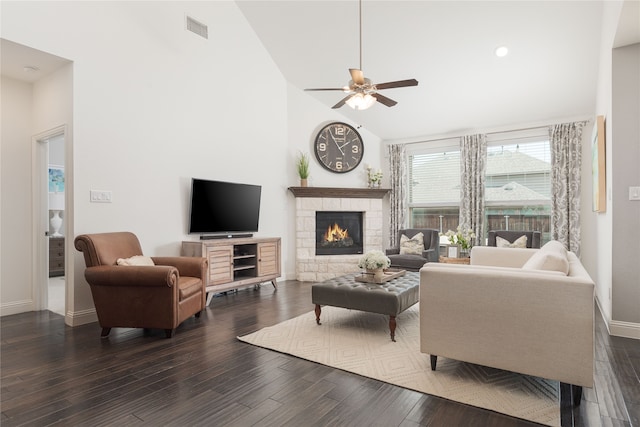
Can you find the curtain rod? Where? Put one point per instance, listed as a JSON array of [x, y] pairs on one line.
[[492, 133]]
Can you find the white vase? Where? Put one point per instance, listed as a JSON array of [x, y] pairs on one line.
[[378, 273]]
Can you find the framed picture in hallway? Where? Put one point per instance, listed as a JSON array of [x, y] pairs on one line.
[[56, 179], [598, 165]]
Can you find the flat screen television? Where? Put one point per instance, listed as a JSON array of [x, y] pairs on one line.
[[224, 209]]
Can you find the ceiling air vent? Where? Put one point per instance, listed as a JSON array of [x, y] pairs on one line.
[[197, 27]]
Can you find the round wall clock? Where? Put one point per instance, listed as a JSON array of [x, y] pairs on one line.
[[339, 147]]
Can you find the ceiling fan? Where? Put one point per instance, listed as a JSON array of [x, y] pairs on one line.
[[362, 93]]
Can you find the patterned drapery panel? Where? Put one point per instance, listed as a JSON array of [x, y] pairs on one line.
[[398, 200], [566, 159], [473, 163]]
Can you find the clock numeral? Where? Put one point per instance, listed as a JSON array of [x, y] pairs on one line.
[[355, 149], [339, 165], [339, 131], [322, 146]]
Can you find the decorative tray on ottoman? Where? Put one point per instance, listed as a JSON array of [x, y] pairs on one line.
[[389, 274]]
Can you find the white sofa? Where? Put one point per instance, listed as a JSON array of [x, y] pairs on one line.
[[512, 309]]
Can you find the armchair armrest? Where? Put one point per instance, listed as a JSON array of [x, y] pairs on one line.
[[116, 275], [431, 255], [187, 266]]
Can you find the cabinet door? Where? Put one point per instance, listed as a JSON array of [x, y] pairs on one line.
[[220, 264], [268, 259]]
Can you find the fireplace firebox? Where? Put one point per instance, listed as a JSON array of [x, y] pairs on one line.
[[339, 233]]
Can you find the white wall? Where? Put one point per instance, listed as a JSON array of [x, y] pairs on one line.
[[620, 313], [626, 213], [153, 106], [15, 197]]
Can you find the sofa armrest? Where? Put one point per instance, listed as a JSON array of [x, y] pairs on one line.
[[187, 266], [131, 275], [500, 257], [392, 251]]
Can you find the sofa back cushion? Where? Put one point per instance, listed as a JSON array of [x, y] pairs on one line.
[[552, 256]]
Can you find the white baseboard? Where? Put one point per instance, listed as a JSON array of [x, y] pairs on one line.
[[16, 307], [618, 328], [77, 318], [624, 329]]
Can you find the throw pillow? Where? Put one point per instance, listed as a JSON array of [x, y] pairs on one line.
[[552, 256], [135, 260], [412, 246], [520, 242]]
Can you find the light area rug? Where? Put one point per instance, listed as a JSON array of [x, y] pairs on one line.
[[359, 342]]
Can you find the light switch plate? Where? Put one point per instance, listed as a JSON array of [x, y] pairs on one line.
[[100, 196], [634, 193]]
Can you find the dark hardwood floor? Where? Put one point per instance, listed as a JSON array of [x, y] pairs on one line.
[[53, 374]]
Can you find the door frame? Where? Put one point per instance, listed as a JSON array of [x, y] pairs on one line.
[[40, 215]]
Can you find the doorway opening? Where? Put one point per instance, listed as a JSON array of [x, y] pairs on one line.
[[50, 210]]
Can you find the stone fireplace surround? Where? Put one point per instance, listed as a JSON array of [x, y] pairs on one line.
[[316, 268]]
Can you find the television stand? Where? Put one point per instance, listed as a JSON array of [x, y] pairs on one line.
[[237, 262], [224, 236]]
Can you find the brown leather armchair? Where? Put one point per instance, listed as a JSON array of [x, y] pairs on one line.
[[161, 296]]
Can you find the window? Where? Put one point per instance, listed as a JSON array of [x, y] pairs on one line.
[[517, 183], [434, 189]]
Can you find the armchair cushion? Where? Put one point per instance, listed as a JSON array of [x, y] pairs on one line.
[[413, 245], [135, 260]]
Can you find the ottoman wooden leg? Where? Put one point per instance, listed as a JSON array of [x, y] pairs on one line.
[[392, 327], [318, 310]]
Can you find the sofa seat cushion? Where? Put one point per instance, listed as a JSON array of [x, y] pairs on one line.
[[552, 256], [407, 262], [188, 286]]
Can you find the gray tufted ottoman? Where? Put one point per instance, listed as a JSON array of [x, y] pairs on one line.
[[390, 298]]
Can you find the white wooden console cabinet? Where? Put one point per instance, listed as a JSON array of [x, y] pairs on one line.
[[237, 262]]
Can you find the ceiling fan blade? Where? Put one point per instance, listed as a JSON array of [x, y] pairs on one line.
[[384, 100], [357, 76], [326, 88], [342, 102], [399, 83]]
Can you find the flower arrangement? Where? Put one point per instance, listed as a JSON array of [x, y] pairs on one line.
[[373, 260], [374, 178], [464, 238]]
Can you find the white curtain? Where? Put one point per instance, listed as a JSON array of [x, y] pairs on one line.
[[566, 160], [473, 163], [397, 198]]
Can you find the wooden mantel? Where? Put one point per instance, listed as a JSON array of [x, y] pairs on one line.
[[346, 193]]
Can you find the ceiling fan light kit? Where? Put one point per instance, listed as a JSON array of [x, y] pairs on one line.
[[360, 101], [362, 94]]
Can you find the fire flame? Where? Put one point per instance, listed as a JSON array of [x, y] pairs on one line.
[[335, 233]]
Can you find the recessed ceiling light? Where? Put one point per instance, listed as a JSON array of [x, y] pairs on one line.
[[502, 51], [30, 69]]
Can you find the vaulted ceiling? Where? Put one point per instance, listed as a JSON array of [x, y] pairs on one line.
[[550, 72]]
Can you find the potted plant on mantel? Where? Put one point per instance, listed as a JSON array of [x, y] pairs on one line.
[[303, 168]]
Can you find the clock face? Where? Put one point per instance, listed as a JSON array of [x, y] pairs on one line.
[[339, 147]]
